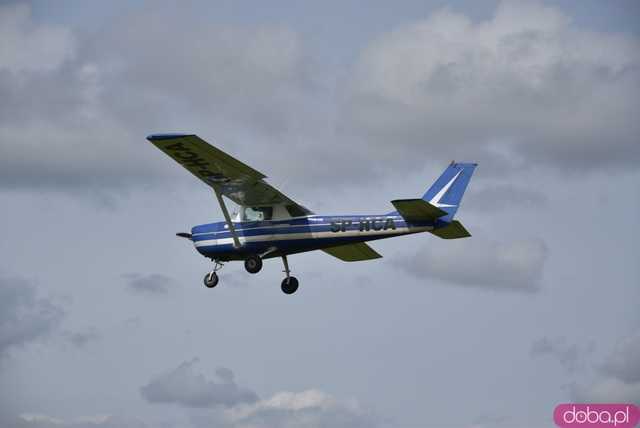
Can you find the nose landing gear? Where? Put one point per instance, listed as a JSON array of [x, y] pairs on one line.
[[211, 279]]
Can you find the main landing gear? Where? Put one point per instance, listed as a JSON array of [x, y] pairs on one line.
[[290, 283], [253, 264]]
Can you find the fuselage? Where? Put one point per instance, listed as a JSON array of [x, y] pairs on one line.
[[275, 238]]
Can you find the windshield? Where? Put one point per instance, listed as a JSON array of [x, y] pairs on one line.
[[257, 213]]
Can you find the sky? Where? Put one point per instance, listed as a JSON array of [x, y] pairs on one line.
[[104, 321]]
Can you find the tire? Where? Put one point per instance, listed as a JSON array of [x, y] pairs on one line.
[[211, 280], [289, 285], [253, 264]]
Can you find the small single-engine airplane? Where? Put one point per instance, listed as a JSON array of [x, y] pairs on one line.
[[269, 224]]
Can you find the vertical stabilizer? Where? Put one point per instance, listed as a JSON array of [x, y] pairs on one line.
[[446, 193]]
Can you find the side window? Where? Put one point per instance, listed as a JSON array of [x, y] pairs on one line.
[[258, 213]]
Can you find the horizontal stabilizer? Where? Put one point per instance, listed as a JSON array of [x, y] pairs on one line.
[[453, 230], [353, 252], [417, 210]]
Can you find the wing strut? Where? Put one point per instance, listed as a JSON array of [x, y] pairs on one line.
[[232, 229]]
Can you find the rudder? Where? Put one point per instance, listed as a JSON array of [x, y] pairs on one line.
[[447, 191]]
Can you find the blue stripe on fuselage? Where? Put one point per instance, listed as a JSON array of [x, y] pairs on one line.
[[385, 225]]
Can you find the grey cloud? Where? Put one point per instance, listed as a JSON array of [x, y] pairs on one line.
[[503, 196], [490, 421], [571, 356], [605, 390], [185, 387], [24, 316], [510, 266], [149, 284], [523, 88], [81, 338], [618, 376], [90, 102], [624, 362]]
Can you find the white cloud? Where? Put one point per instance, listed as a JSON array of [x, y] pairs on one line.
[[35, 420], [27, 47], [523, 85], [310, 408], [75, 111]]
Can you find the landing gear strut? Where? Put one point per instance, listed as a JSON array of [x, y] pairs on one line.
[[211, 279], [253, 263], [290, 283]]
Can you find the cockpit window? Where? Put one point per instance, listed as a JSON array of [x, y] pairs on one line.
[[257, 213]]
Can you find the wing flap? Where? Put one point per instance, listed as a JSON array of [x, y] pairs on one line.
[[353, 252], [417, 209], [453, 230]]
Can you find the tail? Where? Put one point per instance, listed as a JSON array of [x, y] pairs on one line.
[[441, 202], [447, 191]]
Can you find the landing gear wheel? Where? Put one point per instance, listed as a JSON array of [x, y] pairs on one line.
[[289, 285], [211, 280], [253, 264]]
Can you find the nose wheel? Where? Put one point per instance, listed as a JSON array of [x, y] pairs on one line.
[[211, 279]]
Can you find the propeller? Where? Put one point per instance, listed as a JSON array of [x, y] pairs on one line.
[[185, 235]]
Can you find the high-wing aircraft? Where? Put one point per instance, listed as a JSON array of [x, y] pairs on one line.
[[269, 224]]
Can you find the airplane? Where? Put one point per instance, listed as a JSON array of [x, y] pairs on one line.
[[269, 224]]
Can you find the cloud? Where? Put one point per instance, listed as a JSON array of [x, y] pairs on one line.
[[509, 266], [26, 47], [499, 197], [33, 420], [624, 362], [81, 338], [149, 284], [525, 87], [618, 376], [606, 390], [76, 110], [184, 387], [570, 356], [24, 316], [311, 408]]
